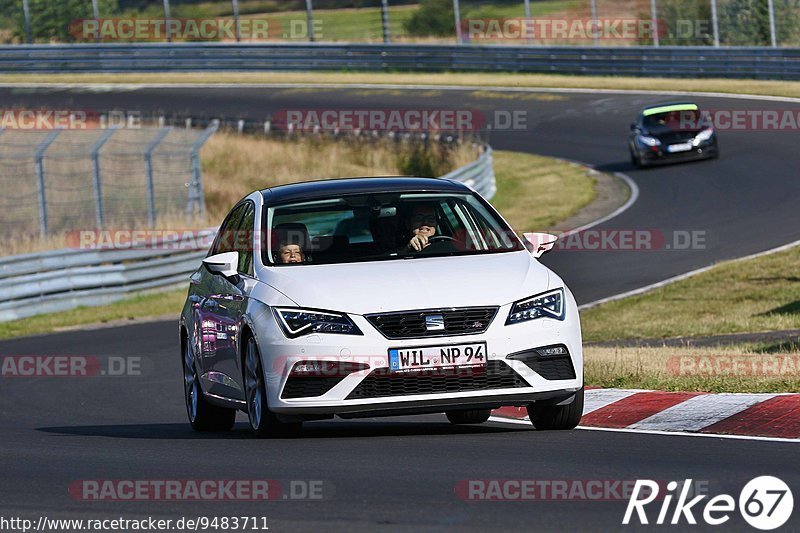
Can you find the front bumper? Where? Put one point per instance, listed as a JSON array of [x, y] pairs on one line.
[[654, 157], [351, 394]]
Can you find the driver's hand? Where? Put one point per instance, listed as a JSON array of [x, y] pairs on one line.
[[418, 242]]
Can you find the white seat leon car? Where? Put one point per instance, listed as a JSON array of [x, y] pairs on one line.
[[376, 297]]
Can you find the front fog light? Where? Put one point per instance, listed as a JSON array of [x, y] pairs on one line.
[[552, 350]]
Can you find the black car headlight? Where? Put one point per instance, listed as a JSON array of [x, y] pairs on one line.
[[296, 322], [548, 304]]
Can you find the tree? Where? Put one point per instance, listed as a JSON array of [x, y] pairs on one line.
[[688, 23], [52, 20], [433, 17]]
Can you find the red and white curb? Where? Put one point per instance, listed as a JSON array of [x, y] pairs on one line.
[[758, 416]]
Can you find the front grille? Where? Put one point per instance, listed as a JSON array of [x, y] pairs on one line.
[[411, 324], [382, 382]]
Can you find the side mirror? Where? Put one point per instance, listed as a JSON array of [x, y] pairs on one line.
[[541, 243], [633, 126], [225, 264]]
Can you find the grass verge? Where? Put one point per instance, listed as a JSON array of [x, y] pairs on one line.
[[729, 369], [483, 80], [137, 307], [521, 179], [536, 192], [761, 294]]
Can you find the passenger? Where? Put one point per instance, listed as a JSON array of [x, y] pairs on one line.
[[291, 253]]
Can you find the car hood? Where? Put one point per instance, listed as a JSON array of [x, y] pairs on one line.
[[405, 284]]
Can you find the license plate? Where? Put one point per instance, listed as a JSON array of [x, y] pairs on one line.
[[404, 359], [682, 147]]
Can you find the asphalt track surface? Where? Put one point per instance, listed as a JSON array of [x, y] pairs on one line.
[[402, 473]]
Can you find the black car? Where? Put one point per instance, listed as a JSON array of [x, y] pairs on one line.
[[670, 133]]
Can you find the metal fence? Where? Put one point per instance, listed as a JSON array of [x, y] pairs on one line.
[[61, 180], [764, 63], [674, 22], [48, 282]]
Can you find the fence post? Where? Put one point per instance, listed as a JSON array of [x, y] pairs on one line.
[[148, 168], [528, 20], [196, 187], [98, 182], [654, 17], [236, 20], [39, 165], [715, 22], [96, 15], [457, 16], [310, 20], [166, 20], [385, 21], [595, 22], [772, 33], [26, 10]]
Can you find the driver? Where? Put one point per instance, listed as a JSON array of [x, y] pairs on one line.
[[421, 223], [421, 227]]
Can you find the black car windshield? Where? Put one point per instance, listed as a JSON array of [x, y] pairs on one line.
[[683, 120], [376, 227]]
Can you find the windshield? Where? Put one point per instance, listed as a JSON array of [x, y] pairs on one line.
[[376, 227], [685, 120]]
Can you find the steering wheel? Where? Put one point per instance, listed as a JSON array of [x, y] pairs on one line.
[[436, 238]]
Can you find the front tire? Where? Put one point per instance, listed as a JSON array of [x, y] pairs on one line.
[[469, 416], [557, 416], [263, 422], [202, 415]]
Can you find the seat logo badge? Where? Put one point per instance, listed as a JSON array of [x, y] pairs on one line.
[[434, 322]]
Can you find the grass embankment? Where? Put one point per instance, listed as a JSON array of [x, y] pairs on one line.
[[728, 369], [761, 294], [236, 165], [483, 80]]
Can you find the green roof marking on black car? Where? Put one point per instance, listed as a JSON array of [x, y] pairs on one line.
[[668, 108]]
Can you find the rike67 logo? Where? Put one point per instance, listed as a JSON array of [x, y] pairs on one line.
[[765, 503]]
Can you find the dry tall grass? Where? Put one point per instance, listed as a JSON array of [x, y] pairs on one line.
[[723, 369], [235, 165]]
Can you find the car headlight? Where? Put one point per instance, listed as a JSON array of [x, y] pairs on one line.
[[546, 305], [704, 135], [296, 322], [649, 141]]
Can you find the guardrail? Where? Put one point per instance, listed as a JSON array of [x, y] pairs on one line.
[[59, 280], [701, 62]]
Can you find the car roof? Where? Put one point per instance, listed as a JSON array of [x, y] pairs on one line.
[[670, 106], [346, 186]]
